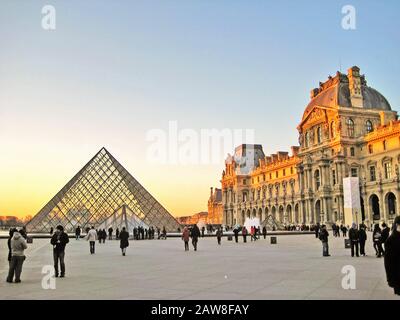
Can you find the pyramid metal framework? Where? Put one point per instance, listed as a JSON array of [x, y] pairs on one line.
[[96, 192], [270, 222], [123, 217]]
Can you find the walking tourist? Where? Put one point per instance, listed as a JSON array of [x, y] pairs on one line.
[[78, 233], [236, 234], [51, 231], [323, 236], [185, 237], [244, 234], [316, 230], [59, 240], [363, 239], [110, 233], [377, 240], [195, 236], [124, 240], [18, 245], [202, 231], [344, 231], [219, 235], [91, 237], [104, 235], [264, 231], [11, 233], [385, 235], [392, 257], [117, 233], [354, 237]]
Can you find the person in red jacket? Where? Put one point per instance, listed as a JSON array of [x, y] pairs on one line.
[[244, 234]]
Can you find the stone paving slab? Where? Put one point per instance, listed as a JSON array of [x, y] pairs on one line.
[[161, 269]]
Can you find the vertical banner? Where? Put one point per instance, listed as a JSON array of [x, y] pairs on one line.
[[351, 197]]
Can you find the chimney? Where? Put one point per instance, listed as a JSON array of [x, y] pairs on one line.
[[211, 193], [383, 118], [355, 87]]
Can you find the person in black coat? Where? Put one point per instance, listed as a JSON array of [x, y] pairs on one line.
[[362, 238], [392, 258], [264, 231], [195, 234], [385, 234], [78, 233], [124, 240], [110, 232], [323, 236], [316, 230], [354, 237], [236, 233], [59, 240]]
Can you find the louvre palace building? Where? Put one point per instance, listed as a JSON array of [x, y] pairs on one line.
[[348, 129]]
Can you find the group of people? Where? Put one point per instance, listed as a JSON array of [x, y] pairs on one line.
[[385, 243], [194, 233]]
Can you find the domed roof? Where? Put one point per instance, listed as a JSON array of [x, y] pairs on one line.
[[336, 93]]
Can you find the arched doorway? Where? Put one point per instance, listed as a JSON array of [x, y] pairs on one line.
[[248, 213], [318, 211], [281, 214], [296, 214], [254, 213], [374, 205], [390, 200], [289, 213]]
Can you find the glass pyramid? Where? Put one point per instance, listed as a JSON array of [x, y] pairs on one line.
[[95, 193]]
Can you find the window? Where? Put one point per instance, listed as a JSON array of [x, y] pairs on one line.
[[284, 172], [354, 172], [350, 127], [317, 180], [388, 170], [306, 140], [372, 173], [334, 176], [276, 174], [270, 176], [264, 177], [319, 135], [384, 145], [244, 196], [244, 181], [352, 152], [368, 126], [291, 170], [370, 149]]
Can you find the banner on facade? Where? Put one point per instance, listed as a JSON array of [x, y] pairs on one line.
[[351, 197]]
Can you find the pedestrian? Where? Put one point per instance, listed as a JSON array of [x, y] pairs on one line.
[[51, 231], [117, 233], [202, 231], [195, 234], [251, 233], [11, 233], [59, 240], [185, 237], [110, 232], [264, 231], [164, 233], [354, 237], [236, 234], [219, 235], [323, 236], [78, 233], [385, 236], [91, 237], [104, 235], [18, 245], [377, 240], [392, 257], [124, 240], [244, 234], [344, 231], [363, 239]]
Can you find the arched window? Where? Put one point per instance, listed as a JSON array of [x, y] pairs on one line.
[[333, 129], [319, 135], [368, 126], [350, 127]]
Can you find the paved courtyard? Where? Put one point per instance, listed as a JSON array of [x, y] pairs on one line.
[[157, 269]]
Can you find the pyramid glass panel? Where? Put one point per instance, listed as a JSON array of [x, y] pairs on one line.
[[95, 193]]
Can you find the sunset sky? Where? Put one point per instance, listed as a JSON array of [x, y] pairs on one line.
[[114, 70]]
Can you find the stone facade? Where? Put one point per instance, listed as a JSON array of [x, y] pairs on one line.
[[214, 215], [348, 129]]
